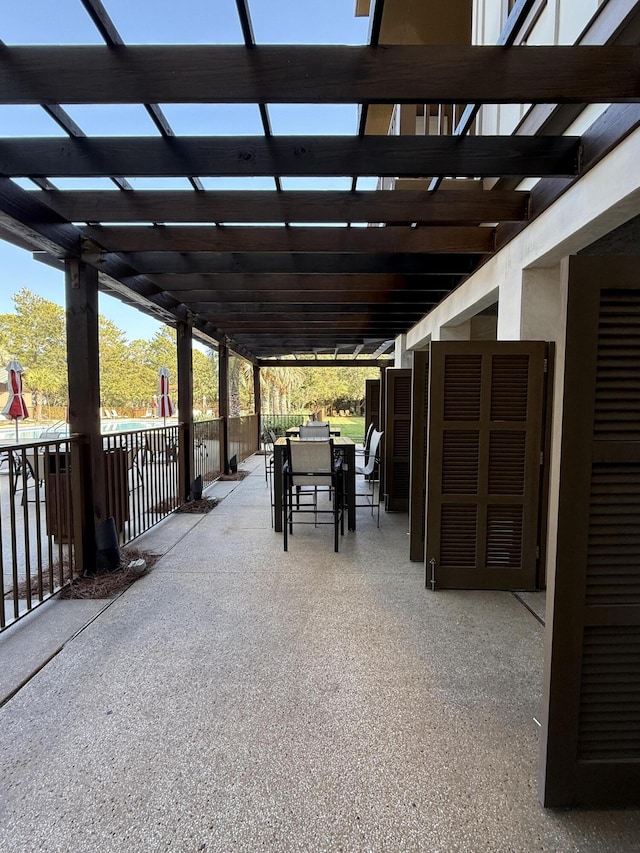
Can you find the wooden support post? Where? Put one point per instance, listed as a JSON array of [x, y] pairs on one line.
[[257, 401], [185, 409], [223, 405], [81, 293]]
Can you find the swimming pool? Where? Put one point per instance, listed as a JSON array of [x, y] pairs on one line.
[[62, 430]]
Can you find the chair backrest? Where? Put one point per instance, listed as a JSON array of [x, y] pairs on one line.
[[310, 462], [314, 431], [367, 438], [374, 448], [36, 462]]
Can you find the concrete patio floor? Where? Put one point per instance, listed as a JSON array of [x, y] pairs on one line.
[[241, 698]]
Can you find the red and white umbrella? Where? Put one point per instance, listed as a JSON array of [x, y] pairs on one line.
[[165, 406], [15, 408]]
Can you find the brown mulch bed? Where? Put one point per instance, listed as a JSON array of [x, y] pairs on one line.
[[239, 475], [202, 506], [101, 586], [111, 583]]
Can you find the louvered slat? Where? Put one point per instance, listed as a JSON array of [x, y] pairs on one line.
[[462, 387], [402, 438], [504, 537], [617, 388], [397, 440], [613, 555], [458, 529], [402, 395], [507, 457], [509, 388], [460, 462], [609, 723]]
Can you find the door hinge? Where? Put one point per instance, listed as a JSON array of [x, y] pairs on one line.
[[542, 457], [545, 366], [537, 552], [432, 579]]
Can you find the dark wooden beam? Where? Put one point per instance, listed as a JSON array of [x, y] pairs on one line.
[[392, 308], [278, 239], [318, 74], [285, 344], [278, 322], [310, 156], [257, 401], [282, 262], [288, 285], [83, 373], [201, 301], [223, 405], [184, 354], [444, 207], [277, 344], [618, 121], [322, 362], [33, 223], [36, 225]]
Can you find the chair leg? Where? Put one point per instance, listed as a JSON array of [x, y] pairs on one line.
[[336, 514], [271, 498], [285, 520]]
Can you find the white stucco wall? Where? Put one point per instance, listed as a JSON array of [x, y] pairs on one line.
[[603, 199]]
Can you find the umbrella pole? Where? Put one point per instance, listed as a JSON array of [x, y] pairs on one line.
[[17, 439]]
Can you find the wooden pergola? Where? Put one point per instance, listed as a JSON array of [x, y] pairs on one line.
[[273, 288]]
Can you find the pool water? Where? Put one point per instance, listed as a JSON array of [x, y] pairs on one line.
[[62, 430]]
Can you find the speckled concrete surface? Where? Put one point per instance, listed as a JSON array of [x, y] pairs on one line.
[[28, 644], [241, 698], [536, 602]]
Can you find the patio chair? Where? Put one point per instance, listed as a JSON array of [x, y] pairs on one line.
[[270, 439], [28, 465], [370, 471], [135, 460], [311, 464], [315, 431], [364, 449]]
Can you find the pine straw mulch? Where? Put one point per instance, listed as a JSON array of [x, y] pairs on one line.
[[105, 585], [204, 505], [239, 475]]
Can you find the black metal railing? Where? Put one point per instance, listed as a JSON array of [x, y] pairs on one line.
[[281, 423], [243, 436], [37, 524], [141, 478], [206, 450]]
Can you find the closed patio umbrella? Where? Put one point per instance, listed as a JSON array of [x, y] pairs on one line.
[[165, 406], [15, 408]]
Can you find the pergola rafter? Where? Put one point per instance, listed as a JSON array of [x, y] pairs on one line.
[[301, 156], [314, 74], [445, 207]]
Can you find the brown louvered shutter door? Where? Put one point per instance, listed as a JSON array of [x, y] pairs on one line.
[[372, 403], [397, 440], [419, 433], [483, 469], [590, 744]]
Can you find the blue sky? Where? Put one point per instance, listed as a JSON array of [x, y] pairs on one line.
[[158, 22]]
